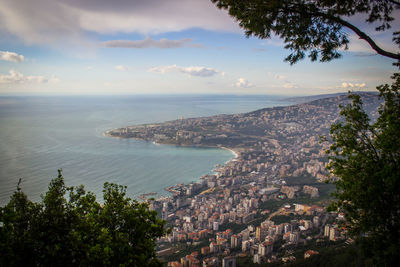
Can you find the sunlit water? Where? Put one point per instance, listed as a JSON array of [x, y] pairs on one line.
[[41, 134]]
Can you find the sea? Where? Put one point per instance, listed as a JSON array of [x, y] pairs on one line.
[[41, 134]]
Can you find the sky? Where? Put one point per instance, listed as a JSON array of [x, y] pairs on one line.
[[89, 47]]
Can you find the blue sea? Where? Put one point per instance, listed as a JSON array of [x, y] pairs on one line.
[[40, 134]]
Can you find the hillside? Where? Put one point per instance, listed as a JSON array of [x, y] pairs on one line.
[[285, 141]]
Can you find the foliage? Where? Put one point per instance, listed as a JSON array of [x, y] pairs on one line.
[[77, 230], [314, 26], [366, 159], [333, 255]]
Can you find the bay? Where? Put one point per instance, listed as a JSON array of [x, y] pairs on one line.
[[40, 134]]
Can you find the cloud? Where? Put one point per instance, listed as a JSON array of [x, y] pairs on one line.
[[289, 85], [121, 68], [200, 71], [286, 83], [58, 21], [243, 83], [192, 71], [40, 21], [147, 43], [352, 85], [15, 77], [11, 56], [89, 68]]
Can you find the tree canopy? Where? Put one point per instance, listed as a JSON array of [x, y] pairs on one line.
[[316, 27], [365, 156], [69, 227]]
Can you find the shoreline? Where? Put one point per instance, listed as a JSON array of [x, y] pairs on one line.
[[141, 196], [235, 154]]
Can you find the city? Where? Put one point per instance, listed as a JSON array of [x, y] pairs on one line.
[[263, 203]]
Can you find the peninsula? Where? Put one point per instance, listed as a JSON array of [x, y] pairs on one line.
[[283, 141]]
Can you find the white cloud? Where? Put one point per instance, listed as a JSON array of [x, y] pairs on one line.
[[352, 85], [11, 56], [147, 43], [15, 77], [243, 83], [199, 71], [60, 21], [164, 69], [89, 68], [289, 85], [121, 68], [192, 71]]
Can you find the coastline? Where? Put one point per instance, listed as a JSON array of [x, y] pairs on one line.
[[144, 195], [235, 154]]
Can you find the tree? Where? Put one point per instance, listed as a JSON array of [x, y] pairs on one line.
[[365, 157], [314, 26], [69, 227], [16, 242]]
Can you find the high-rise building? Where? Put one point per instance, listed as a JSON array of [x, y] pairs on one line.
[[333, 233], [257, 259], [265, 248], [287, 228], [229, 261], [327, 230], [294, 237], [235, 241], [316, 221], [215, 226]]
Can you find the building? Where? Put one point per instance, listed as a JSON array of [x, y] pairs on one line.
[[333, 233], [235, 241], [261, 233], [215, 226], [309, 253], [298, 207], [308, 224], [184, 262], [213, 247], [265, 248], [246, 245], [229, 261], [294, 237], [327, 230], [316, 221], [287, 228], [257, 259], [174, 264], [211, 262], [205, 250]]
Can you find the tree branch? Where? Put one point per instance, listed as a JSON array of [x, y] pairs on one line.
[[347, 24], [394, 2], [363, 36]]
